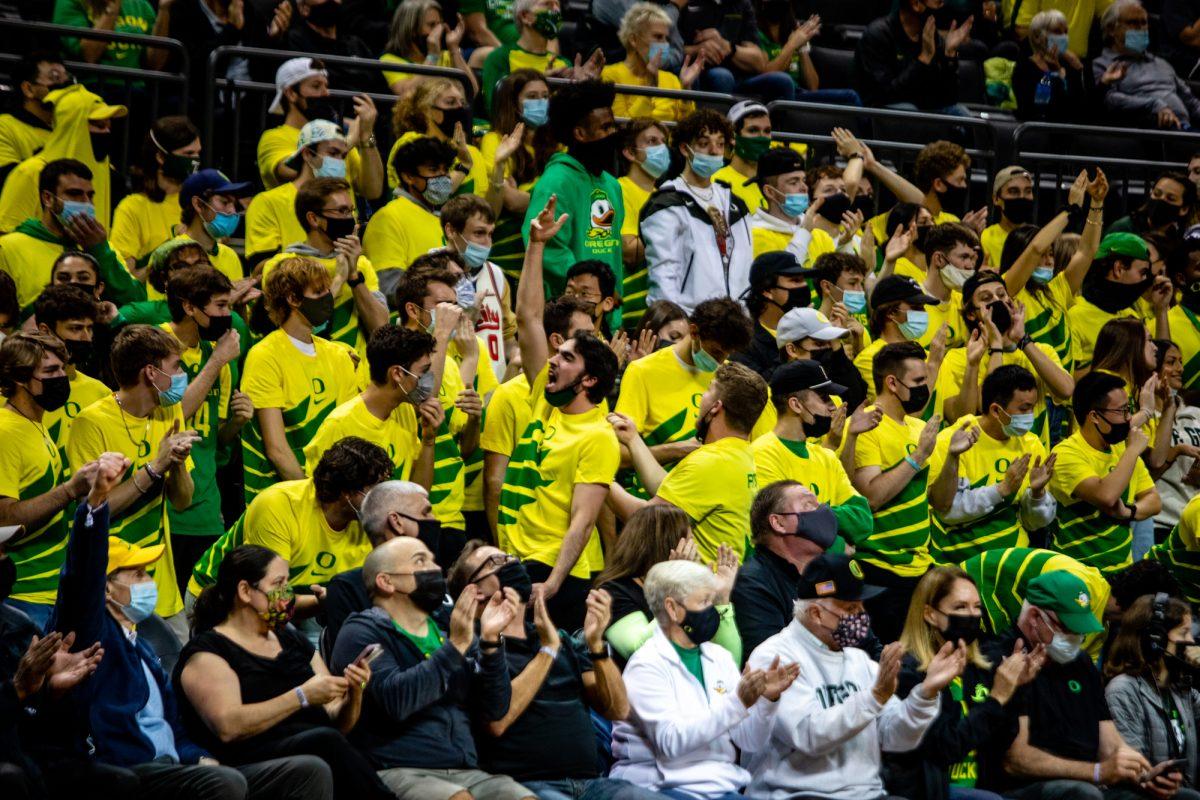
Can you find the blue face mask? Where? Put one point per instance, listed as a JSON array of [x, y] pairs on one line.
[[855, 302], [1018, 424], [75, 208], [437, 190], [331, 168], [662, 49], [1057, 42], [143, 597], [703, 361], [222, 225], [658, 160], [1043, 274], [1137, 41], [705, 165], [464, 293], [476, 255], [915, 326], [794, 205], [179, 384], [535, 112]]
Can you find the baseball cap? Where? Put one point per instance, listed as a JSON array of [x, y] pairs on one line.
[[900, 287], [210, 181], [288, 75], [776, 161], [796, 376], [1067, 596], [977, 279], [800, 323], [776, 262], [745, 108], [1191, 239], [313, 133], [76, 93], [123, 555], [1007, 174], [1122, 244], [8, 532], [835, 576]]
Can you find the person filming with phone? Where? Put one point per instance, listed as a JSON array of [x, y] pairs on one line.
[[1149, 668]]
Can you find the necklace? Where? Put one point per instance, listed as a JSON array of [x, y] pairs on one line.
[[712, 192], [46, 440], [139, 444]]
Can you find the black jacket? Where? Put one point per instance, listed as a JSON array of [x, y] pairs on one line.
[[345, 594], [762, 354], [887, 70]]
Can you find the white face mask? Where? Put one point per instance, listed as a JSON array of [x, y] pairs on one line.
[[1064, 647], [954, 277]]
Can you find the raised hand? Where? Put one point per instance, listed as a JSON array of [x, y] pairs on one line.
[[34, 667], [1041, 474], [71, 669], [228, 347], [779, 678], [545, 226], [898, 244], [726, 569], [1097, 188], [454, 36], [928, 437], [624, 427], [110, 468], [946, 666], [432, 414], [693, 66], [686, 550], [863, 419], [928, 41], [546, 629], [964, 438], [976, 220], [280, 20], [1014, 476], [597, 618], [510, 144], [889, 672], [500, 611], [751, 686], [241, 407], [976, 347], [462, 621], [470, 403], [958, 35], [446, 317]]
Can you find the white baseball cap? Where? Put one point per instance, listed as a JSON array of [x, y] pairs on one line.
[[313, 133], [288, 75], [10, 531], [801, 323], [745, 108]]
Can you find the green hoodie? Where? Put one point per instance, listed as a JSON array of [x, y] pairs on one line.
[[119, 286], [593, 229]]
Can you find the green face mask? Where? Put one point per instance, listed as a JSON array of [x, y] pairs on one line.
[[703, 361], [560, 397], [751, 148], [547, 23]]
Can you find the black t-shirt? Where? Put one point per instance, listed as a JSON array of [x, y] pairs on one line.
[[627, 598], [260, 679], [554, 738]]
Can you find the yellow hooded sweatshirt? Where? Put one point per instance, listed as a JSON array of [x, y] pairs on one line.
[[73, 107]]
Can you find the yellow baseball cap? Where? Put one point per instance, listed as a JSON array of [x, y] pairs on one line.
[[123, 555]]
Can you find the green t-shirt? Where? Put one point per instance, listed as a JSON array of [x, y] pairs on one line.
[[965, 773], [428, 643], [498, 14], [137, 16], [690, 656], [203, 516]]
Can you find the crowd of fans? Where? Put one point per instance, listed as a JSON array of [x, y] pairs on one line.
[[611, 450]]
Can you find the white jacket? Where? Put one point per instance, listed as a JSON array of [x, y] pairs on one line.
[[491, 299], [829, 730], [681, 735], [684, 260]]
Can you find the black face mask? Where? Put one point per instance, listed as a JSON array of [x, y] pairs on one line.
[[317, 310], [325, 15], [701, 626], [216, 328], [823, 357], [954, 199], [922, 235], [55, 392], [322, 108], [819, 526], [597, 156], [513, 575], [818, 427], [1160, 213], [430, 591], [834, 207], [101, 142], [702, 424], [80, 352], [450, 116], [797, 298], [918, 398], [429, 533], [8, 576], [1018, 210], [1112, 296], [1117, 431], [339, 227], [863, 205], [177, 167], [964, 627], [1191, 297], [1001, 316]]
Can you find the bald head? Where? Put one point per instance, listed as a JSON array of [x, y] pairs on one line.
[[386, 564]]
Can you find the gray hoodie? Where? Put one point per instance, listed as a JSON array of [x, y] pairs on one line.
[[1140, 716]]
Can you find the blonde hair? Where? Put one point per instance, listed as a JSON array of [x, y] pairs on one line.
[[636, 19], [412, 112], [920, 639], [290, 278]]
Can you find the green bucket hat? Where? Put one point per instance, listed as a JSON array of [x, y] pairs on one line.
[[1123, 244], [1067, 596]]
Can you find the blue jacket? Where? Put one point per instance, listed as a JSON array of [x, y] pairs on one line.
[[109, 701]]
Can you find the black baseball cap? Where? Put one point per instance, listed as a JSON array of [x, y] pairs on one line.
[[777, 262], [777, 161], [979, 278], [796, 376], [835, 576], [895, 288]]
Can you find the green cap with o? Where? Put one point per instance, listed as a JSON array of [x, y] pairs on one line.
[[1067, 596], [1123, 244]]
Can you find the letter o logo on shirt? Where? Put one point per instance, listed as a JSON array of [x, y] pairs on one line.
[[1002, 464], [326, 559], [318, 386]]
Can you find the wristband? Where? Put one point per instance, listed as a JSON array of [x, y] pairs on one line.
[[303, 700], [994, 350], [354, 283], [1096, 773], [486, 645], [1075, 214], [601, 654], [550, 651], [1026, 340], [912, 462], [460, 168]]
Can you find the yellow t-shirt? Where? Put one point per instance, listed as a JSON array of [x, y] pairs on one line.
[[271, 222], [768, 240], [750, 194], [85, 390], [397, 434], [141, 224], [399, 232], [662, 396], [280, 143], [28, 261], [448, 492], [1080, 15], [393, 78], [224, 260], [1185, 332], [304, 388], [1084, 533], [816, 467], [992, 240], [507, 415], [908, 269], [1180, 552], [878, 225], [949, 312], [632, 105], [636, 283], [1086, 320], [484, 384], [556, 452], [900, 542], [715, 485], [344, 326], [983, 465], [19, 140], [30, 466], [476, 181], [103, 427], [634, 198], [1046, 317]]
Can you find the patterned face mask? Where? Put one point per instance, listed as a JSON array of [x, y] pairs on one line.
[[852, 629], [281, 606]]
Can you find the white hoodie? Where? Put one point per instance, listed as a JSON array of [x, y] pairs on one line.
[[681, 735], [829, 730]]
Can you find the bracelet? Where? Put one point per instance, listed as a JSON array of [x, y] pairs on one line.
[[995, 350], [303, 700], [1026, 340], [550, 651], [912, 462], [140, 490], [599, 655], [484, 644], [369, 143], [458, 167], [154, 476], [354, 283], [1096, 773]]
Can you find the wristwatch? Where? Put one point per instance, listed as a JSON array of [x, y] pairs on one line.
[[369, 143], [1026, 340], [354, 283], [600, 655], [458, 167]]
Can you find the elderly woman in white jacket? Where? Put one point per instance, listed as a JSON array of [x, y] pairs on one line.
[[689, 703]]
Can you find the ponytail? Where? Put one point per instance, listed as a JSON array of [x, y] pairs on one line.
[[214, 605]]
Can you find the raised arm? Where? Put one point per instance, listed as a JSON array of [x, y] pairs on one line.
[[531, 292]]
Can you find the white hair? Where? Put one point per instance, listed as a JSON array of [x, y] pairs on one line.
[[519, 7], [383, 499], [1112, 15], [1041, 24], [675, 579], [801, 607], [637, 18]]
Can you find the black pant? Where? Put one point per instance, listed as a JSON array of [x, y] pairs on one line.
[[450, 546], [185, 552], [69, 777], [292, 778], [1073, 790], [17, 784], [478, 527], [568, 607], [888, 608], [353, 776]]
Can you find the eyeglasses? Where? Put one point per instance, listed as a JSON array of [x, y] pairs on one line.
[[495, 562], [1122, 410]]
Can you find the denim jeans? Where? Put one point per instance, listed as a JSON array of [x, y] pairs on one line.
[[1143, 537], [956, 110], [38, 613], [593, 789], [767, 86], [675, 794], [961, 793], [837, 97]]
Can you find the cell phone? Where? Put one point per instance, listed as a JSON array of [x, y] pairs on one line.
[[369, 654], [1164, 767]]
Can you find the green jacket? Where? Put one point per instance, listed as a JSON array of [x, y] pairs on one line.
[[119, 286]]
